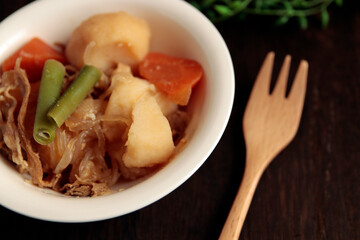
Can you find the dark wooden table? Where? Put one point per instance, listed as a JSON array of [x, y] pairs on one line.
[[310, 191]]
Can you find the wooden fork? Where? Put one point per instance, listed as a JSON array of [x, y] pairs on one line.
[[270, 123]]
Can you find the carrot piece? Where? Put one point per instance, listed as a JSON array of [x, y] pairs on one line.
[[174, 76], [33, 56]]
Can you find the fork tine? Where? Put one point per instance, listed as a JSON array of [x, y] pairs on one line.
[[281, 82], [298, 88], [262, 83]]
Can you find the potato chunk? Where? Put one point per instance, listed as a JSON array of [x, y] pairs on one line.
[[127, 90], [105, 39], [150, 138]]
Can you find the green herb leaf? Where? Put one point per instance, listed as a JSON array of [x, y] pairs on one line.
[[258, 4], [281, 20], [223, 10], [339, 2], [207, 3], [325, 18], [289, 9], [236, 5], [303, 22]]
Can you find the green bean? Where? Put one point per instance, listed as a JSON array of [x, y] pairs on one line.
[[50, 88], [74, 94]]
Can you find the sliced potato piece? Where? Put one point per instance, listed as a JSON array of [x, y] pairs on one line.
[[124, 96], [150, 138], [128, 90]]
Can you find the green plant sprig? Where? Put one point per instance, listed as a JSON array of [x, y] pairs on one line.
[[284, 10]]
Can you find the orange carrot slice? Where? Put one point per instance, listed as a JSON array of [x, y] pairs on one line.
[[33, 56], [174, 76]]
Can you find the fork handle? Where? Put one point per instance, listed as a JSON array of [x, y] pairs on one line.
[[241, 204]]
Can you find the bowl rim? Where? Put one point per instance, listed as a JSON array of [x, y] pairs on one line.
[[57, 210]]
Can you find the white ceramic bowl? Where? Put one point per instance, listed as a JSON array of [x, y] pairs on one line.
[[177, 29]]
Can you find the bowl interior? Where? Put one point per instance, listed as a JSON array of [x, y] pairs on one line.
[[177, 29]]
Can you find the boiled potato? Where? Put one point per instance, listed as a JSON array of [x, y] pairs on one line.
[[126, 92], [129, 89], [150, 138], [106, 39]]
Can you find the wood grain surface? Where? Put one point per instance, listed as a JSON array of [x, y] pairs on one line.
[[311, 189]]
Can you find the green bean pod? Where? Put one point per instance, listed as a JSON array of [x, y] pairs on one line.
[[74, 94], [50, 88]]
